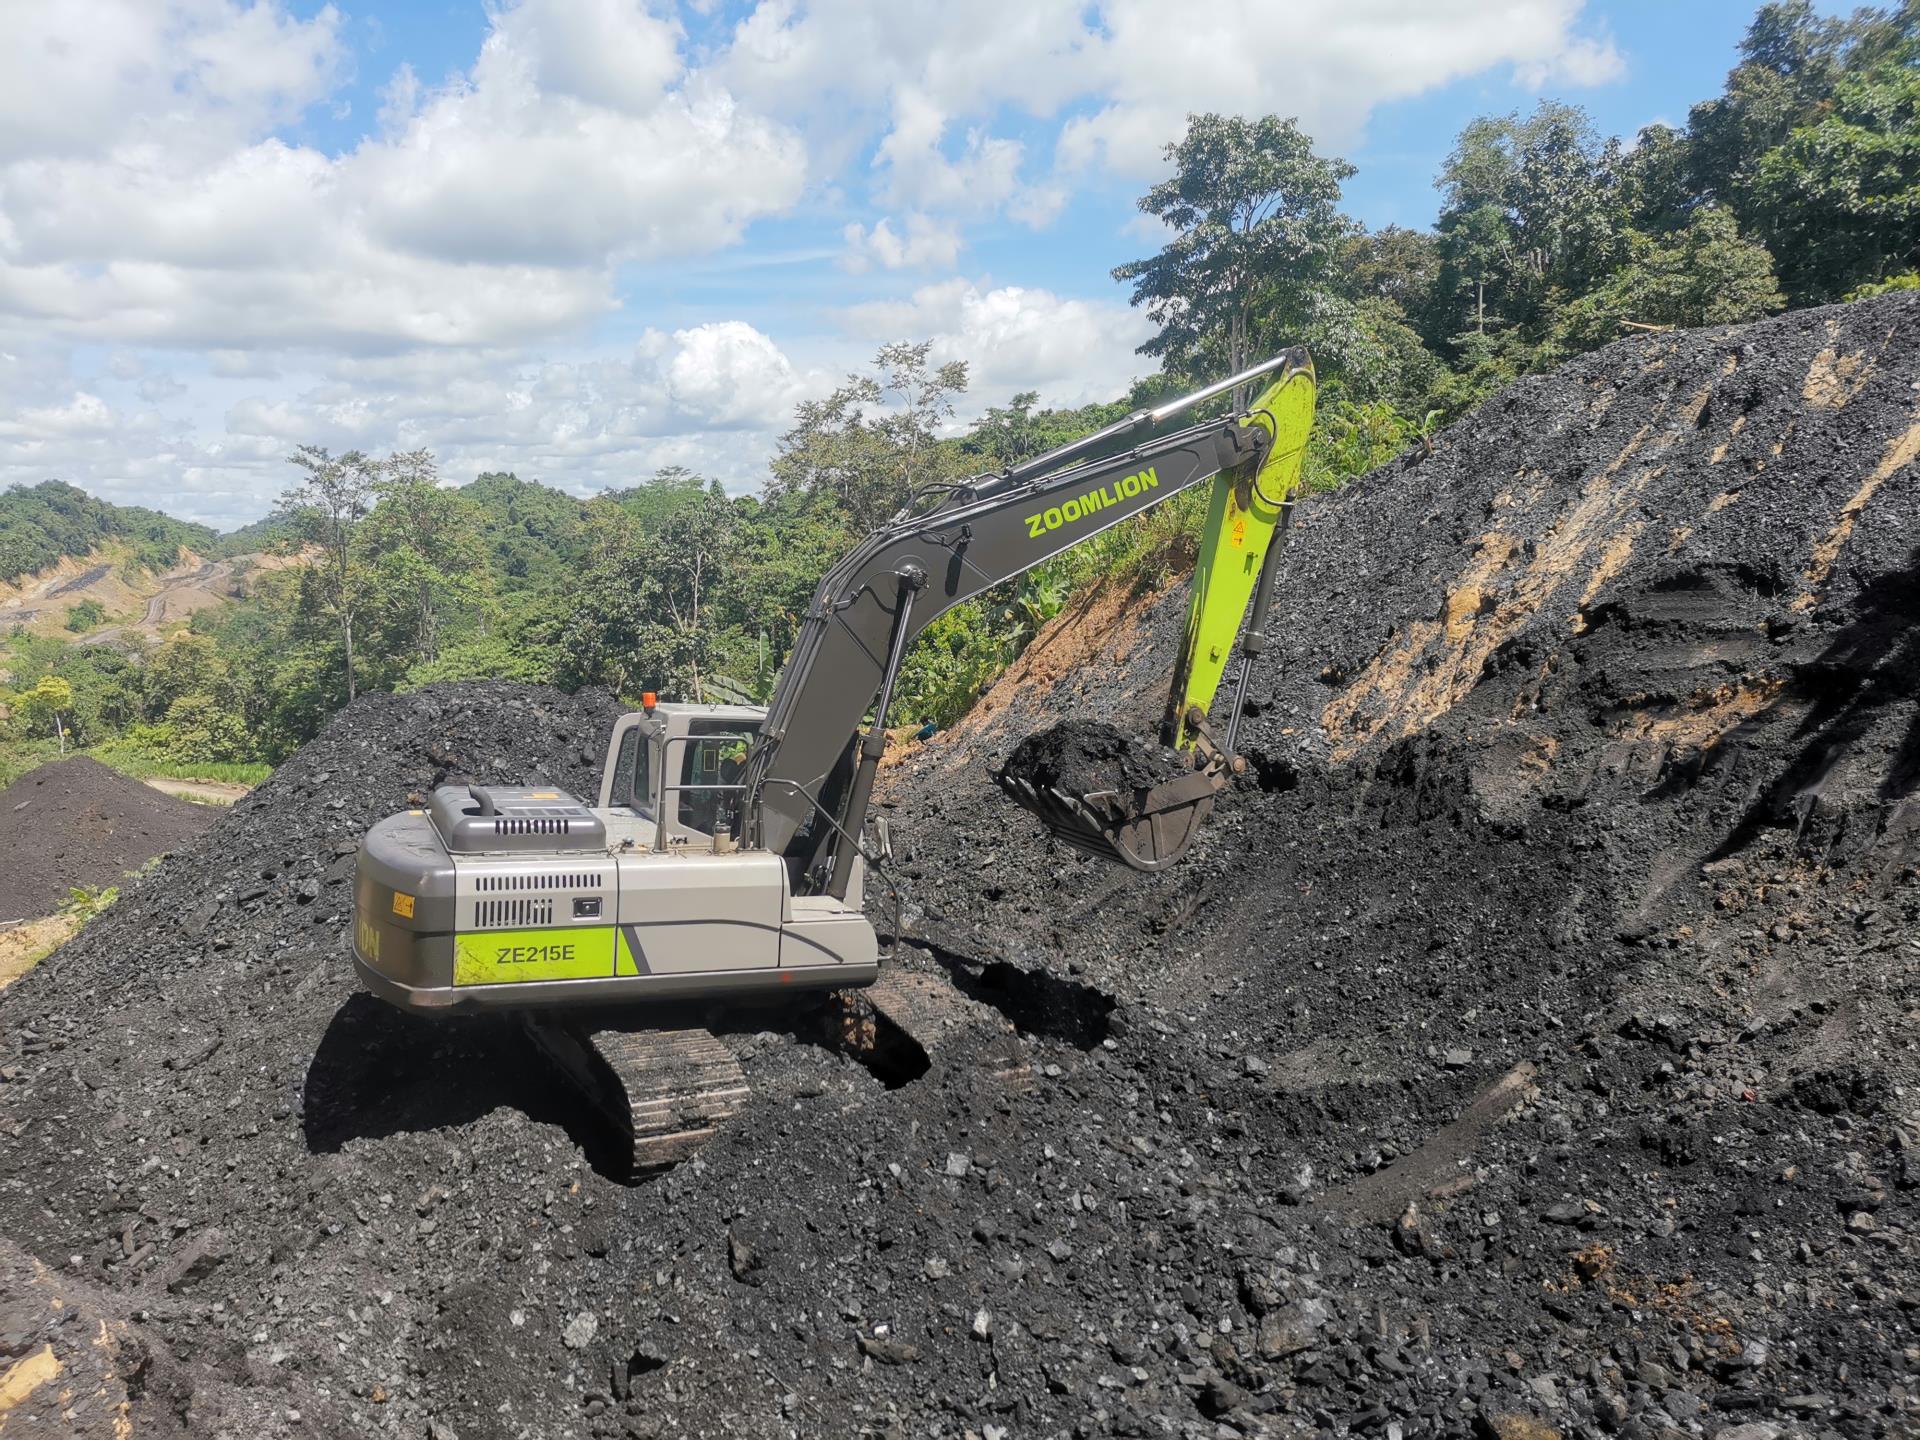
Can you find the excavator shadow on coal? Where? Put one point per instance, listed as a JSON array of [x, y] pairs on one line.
[[379, 1071]]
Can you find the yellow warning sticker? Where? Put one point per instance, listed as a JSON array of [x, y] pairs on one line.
[[403, 904], [543, 795]]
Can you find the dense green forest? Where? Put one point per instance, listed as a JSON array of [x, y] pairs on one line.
[[42, 524], [1798, 185]]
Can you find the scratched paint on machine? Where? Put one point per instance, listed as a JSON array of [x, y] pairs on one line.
[[505, 957]]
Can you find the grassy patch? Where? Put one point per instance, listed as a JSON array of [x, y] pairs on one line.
[[17, 757], [144, 765]]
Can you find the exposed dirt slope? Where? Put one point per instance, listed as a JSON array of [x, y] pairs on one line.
[[77, 822], [150, 602], [1525, 1052]]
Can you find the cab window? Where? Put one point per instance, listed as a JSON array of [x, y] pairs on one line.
[[714, 767], [632, 773]]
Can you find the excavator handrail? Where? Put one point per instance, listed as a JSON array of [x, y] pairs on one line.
[[673, 787], [1039, 464]]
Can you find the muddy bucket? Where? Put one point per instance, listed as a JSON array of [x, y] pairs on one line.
[[1147, 829]]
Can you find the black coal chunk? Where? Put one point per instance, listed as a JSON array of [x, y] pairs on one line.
[[1082, 757]]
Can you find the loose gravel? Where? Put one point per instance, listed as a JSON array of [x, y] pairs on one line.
[[1525, 1050]]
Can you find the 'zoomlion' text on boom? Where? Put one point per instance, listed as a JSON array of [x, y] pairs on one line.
[[1081, 506]]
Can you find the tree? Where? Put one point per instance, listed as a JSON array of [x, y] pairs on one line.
[[184, 664], [1839, 200], [426, 540], [649, 611], [786, 542], [1008, 434], [1654, 191], [106, 690], [198, 727], [1531, 213], [1392, 263], [1477, 246], [1789, 60], [326, 511], [874, 442], [85, 616], [47, 703], [1708, 274], [1254, 211]]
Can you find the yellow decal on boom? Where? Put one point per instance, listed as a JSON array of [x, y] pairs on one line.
[[505, 957], [403, 904], [1082, 507]]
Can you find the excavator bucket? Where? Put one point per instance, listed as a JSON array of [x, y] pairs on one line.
[[1150, 826], [1147, 829]]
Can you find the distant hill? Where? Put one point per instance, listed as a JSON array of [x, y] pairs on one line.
[[264, 534], [532, 530], [534, 533], [40, 525]]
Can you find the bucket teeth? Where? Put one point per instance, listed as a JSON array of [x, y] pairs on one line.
[[667, 1091], [1149, 832]]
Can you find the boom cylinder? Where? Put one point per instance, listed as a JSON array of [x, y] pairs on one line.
[[912, 580], [1254, 642]]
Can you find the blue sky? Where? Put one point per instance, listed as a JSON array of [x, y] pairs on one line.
[[585, 238]]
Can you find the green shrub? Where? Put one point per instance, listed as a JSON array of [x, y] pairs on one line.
[[85, 616]]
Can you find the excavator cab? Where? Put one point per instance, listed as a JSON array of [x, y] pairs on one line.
[[682, 767]]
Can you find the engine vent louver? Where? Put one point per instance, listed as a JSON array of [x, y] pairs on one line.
[[587, 881], [532, 825], [519, 912]]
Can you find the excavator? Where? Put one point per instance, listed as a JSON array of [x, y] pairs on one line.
[[725, 857]]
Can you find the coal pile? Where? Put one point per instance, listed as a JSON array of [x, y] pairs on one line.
[[1529, 1023], [1523, 1051], [201, 1107], [76, 822], [1084, 757]]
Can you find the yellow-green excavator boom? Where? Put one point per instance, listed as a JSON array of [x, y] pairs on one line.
[[1246, 526]]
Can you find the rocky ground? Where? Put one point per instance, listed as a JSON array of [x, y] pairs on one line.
[[1527, 1048]]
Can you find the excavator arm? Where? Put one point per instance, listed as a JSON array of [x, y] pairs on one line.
[[810, 776]]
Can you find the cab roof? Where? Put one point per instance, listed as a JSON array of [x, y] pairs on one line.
[[668, 709]]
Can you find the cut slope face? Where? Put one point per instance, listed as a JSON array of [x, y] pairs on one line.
[[77, 822], [1522, 1051]]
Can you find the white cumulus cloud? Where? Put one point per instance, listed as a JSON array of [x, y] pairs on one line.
[[1014, 338], [155, 203], [936, 79], [514, 266], [925, 244]]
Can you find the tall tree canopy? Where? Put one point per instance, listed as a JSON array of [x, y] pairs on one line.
[[1256, 222]]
